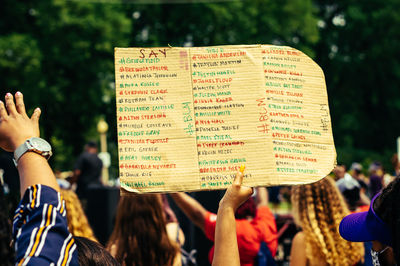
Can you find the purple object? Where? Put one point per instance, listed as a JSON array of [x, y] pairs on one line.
[[365, 226]]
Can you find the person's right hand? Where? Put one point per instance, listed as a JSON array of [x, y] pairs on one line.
[[236, 194], [15, 125]]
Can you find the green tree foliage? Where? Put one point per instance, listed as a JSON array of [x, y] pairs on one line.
[[358, 51], [283, 22], [60, 53]]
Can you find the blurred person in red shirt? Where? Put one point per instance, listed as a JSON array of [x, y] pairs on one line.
[[255, 224]]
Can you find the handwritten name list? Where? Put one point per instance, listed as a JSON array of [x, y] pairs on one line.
[[189, 117]]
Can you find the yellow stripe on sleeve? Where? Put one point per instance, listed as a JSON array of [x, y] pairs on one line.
[[67, 251], [34, 196], [37, 240]]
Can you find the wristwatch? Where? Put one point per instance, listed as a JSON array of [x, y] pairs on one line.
[[37, 145]]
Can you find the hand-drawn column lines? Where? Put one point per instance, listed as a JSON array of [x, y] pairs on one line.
[[194, 118]]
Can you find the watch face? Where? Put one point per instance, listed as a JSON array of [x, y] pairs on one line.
[[40, 144]]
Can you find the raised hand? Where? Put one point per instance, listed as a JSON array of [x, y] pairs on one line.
[[226, 247], [236, 194], [15, 125]]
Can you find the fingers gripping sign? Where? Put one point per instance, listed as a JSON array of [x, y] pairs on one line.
[[15, 125], [236, 194]]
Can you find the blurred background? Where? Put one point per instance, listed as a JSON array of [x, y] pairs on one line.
[[59, 54]]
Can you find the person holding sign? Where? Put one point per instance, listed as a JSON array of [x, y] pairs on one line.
[[255, 224], [40, 228], [226, 248]]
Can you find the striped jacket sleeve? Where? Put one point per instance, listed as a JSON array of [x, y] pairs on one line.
[[40, 229]]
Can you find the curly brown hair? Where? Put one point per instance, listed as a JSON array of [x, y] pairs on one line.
[[140, 236], [318, 209]]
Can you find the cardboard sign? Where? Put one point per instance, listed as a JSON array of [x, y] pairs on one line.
[[189, 117]]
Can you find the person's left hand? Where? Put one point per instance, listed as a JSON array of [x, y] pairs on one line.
[[15, 125], [236, 194]]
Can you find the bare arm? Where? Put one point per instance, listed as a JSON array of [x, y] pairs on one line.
[[34, 169], [226, 248], [298, 251], [191, 207], [15, 128], [262, 197]]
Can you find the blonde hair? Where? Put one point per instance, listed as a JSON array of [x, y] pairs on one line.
[[78, 224], [318, 209]]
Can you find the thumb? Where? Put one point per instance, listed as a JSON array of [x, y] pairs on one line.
[[239, 176]]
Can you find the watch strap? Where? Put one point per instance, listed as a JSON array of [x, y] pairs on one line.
[[27, 146], [23, 148]]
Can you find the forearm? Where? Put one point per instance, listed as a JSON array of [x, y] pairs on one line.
[[34, 169], [262, 197], [226, 249], [191, 207]]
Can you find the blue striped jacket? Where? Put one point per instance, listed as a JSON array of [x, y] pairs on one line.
[[40, 229]]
